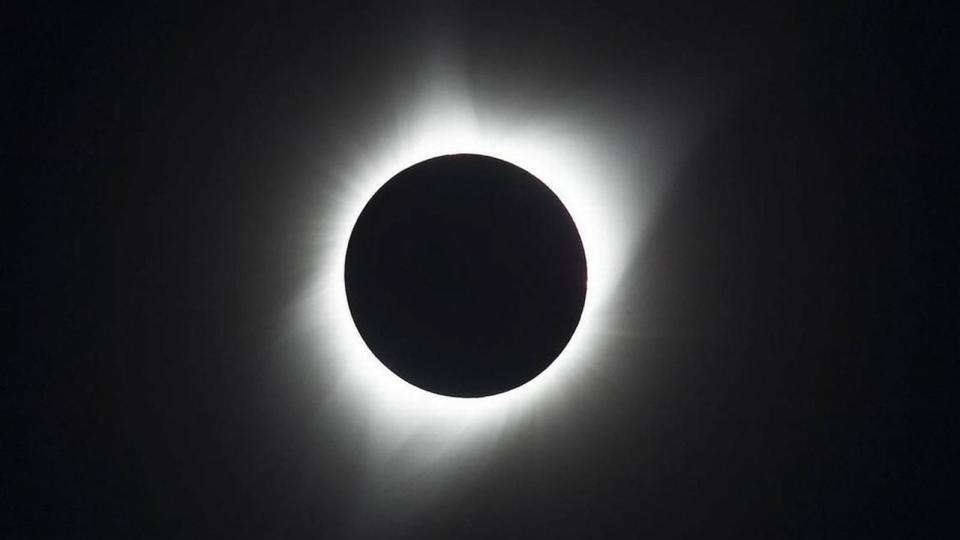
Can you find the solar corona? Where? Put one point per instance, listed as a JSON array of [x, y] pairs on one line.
[[466, 265]]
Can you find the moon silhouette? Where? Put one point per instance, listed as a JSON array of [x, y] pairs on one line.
[[465, 275]]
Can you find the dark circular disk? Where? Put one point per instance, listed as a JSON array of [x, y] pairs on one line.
[[465, 275]]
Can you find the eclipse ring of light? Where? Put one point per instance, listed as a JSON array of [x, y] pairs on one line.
[[465, 275], [590, 166]]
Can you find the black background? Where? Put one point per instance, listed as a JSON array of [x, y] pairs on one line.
[[796, 324]]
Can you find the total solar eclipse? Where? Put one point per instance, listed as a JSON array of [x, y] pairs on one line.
[[465, 275]]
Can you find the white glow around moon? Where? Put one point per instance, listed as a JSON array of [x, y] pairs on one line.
[[603, 168]]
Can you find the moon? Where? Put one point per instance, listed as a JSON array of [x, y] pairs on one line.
[[465, 275]]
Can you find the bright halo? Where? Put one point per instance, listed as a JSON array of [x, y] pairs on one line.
[[581, 158]]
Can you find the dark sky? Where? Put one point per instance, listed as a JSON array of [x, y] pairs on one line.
[[785, 332]]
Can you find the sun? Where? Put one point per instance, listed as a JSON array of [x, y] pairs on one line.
[[574, 155]]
